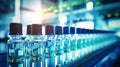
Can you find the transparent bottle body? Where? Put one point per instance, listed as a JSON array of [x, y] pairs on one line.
[[73, 42], [28, 46], [66, 42], [28, 50], [50, 51], [37, 52], [80, 41], [16, 51], [80, 45], [59, 45], [50, 46], [59, 50], [74, 47]]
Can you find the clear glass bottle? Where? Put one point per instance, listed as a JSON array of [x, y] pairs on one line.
[[28, 47], [80, 42], [38, 46], [90, 38], [66, 41], [15, 46], [86, 41], [59, 46], [73, 43], [50, 46], [93, 40]]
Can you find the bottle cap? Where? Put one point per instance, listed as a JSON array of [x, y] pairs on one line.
[[15, 29], [86, 31], [79, 31], [72, 30], [58, 30], [29, 29], [49, 30], [65, 30], [36, 29]]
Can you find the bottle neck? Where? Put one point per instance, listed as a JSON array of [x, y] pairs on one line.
[[28, 36], [38, 37], [16, 36], [50, 36]]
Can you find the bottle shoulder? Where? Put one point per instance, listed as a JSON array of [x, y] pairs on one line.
[[15, 40], [28, 39]]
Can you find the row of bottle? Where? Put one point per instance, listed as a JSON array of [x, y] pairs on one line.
[[58, 47]]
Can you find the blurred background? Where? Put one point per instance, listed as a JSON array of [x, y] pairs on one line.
[[88, 14]]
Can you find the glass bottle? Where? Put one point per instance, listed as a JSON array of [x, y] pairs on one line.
[[80, 42], [27, 44], [66, 41], [50, 46], [73, 43], [15, 46], [59, 46], [38, 46]]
